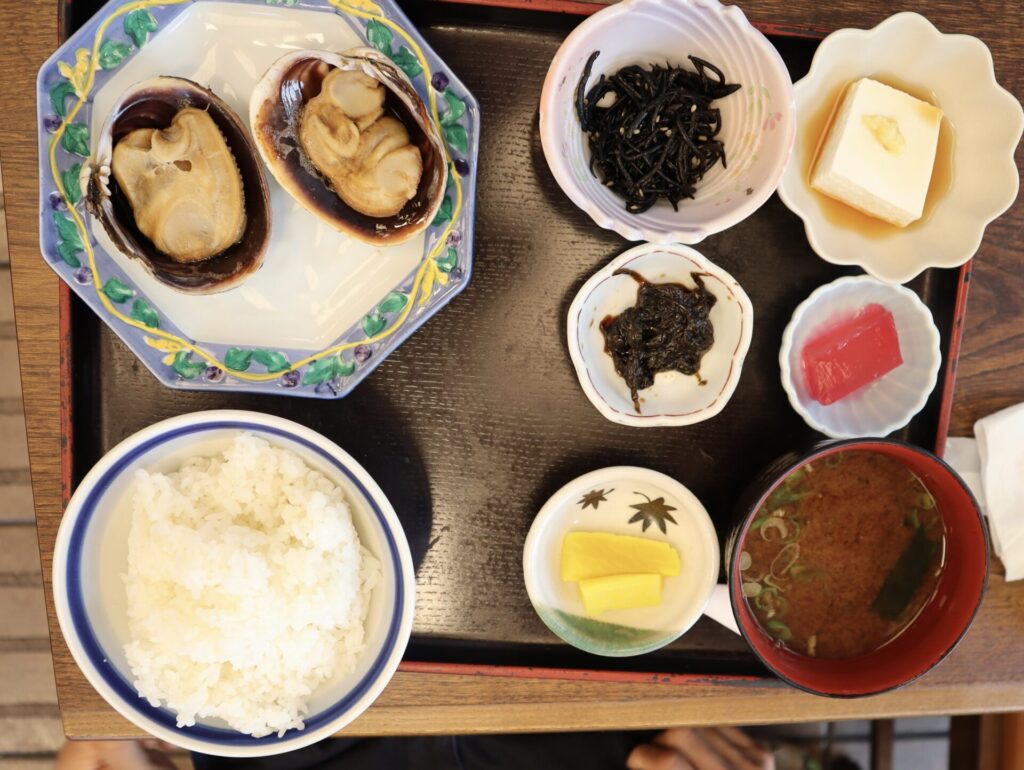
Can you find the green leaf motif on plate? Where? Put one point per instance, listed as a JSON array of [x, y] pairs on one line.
[[392, 303], [117, 290], [66, 229], [407, 62], [319, 371], [379, 36], [68, 253], [448, 262], [273, 361], [69, 242], [186, 367], [456, 108], [610, 634], [457, 138], [444, 213], [72, 187], [76, 139], [143, 313], [327, 369], [238, 359], [112, 54], [373, 324], [59, 94], [138, 25]]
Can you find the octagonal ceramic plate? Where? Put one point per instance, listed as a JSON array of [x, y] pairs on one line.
[[324, 309]]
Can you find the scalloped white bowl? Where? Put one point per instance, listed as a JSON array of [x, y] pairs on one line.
[[987, 122], [889, 402], [758, 121], [674, 398]]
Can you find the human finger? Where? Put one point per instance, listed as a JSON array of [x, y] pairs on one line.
[[741, 758], [651, 756], [77, 755], [686, 741], [124, 755]]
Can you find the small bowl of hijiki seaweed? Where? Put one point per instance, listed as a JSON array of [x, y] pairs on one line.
[[667, 120], [857, 567]]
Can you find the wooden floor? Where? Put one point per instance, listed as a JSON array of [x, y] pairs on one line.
[[30, 728]]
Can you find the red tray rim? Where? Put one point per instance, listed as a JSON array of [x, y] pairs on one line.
[[579, 8]]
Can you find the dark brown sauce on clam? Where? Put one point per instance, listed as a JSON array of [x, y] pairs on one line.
[[278, 119], [156, 109]]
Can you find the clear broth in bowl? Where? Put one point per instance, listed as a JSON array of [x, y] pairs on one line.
[[843, 555]]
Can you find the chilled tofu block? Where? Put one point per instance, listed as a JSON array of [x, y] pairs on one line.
[[598, 554], [879, 152], [850, 354], [620, 592]]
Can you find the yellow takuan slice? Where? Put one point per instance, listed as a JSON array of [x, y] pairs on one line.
[[599, 554], [620, 592]]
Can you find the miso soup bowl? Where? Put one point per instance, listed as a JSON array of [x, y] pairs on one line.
[[937, 629]]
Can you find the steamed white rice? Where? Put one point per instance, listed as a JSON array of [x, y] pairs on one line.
[[247, 587]]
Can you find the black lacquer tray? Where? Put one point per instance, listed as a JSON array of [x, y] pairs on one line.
[[475, 420]]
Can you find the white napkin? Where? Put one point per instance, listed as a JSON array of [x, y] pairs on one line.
[[992, 464]]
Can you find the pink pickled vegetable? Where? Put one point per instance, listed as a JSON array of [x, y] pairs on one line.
[[845, 356]]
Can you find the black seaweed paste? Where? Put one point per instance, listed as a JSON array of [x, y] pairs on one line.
[[669, 328]]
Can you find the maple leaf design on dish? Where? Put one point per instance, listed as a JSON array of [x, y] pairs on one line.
[[594, 497], [656, 511]]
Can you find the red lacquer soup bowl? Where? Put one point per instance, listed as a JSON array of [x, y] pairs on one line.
[[936, 630]]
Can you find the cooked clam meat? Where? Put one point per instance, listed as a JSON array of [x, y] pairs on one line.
[[183, 186], [364, 155]]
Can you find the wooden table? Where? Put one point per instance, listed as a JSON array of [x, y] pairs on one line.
[[986, 673]]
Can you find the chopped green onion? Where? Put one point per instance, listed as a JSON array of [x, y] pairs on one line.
[[783, 495], [779, 630], [795, 477], [767, 594], [775, 523], [784, 559], [752, 590], [926, 501]]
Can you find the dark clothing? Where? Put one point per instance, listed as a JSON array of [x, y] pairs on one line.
[[554, 751]]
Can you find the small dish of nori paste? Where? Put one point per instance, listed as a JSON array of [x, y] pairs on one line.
[[668, 329]]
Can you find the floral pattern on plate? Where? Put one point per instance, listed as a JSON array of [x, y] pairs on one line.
[[67, 84]]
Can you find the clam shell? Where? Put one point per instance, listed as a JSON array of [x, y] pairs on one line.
[[274, 110], [153, 104]]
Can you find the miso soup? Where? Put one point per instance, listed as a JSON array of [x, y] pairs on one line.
[[843, 555]]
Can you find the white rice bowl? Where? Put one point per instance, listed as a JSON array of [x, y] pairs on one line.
[[247, 587]]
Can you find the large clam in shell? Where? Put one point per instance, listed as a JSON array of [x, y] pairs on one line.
[[378, 172], [176, 184]]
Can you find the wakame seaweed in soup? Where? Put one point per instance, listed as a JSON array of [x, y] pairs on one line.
[[843, 555]]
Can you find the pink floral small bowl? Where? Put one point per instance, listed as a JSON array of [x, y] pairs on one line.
[[758, 121]]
